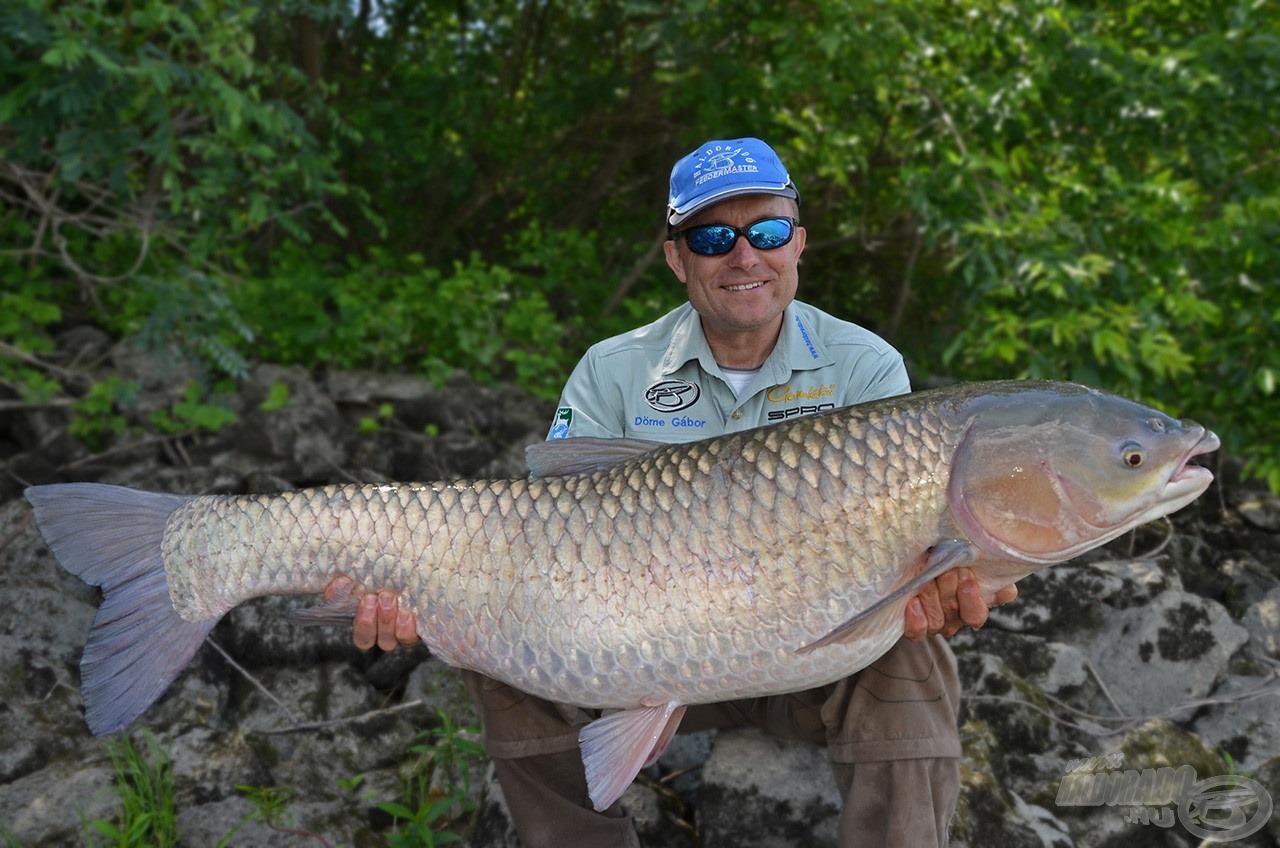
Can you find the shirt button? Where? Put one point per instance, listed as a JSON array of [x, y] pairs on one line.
[[737, 415]]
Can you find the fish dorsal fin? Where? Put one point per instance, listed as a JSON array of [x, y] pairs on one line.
[[940, 558], [616, 746], [583, 454]]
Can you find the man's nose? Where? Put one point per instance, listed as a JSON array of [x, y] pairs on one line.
[[743, 255]]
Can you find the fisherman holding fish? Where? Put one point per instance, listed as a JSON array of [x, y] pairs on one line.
[[741, 353], [622, 591]]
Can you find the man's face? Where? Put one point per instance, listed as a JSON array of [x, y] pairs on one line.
[[745, 289]]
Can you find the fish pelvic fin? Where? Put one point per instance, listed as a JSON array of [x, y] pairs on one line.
[[940, 558], [616, 746], [340, 610], [110, 536]]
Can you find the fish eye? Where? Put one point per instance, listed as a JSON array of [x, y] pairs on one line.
[[1133, 454]]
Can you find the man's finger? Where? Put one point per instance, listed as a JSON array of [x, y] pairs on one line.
[[365, 629], [931, 605], [1004, 596], [388, 607], [406, 629], [917, 623], [972, 606]]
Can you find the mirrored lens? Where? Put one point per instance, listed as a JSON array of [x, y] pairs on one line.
[[718, 239], [769, 234], [711, 240]]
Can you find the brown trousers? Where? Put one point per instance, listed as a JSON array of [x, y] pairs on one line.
[[889, 730]]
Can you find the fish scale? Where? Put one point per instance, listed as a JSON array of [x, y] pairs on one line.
[[624, 575]]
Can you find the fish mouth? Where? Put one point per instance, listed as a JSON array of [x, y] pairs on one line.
[[1187, 470]]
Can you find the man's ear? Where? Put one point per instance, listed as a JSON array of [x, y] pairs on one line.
[[674, 260]]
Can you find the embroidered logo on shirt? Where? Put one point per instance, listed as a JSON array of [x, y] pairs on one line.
[[672, 395], [787, 393], [563, 421]]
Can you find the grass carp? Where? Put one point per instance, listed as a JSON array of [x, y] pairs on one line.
[[642, 578]]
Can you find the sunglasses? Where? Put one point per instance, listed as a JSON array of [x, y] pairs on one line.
[[719, 239]]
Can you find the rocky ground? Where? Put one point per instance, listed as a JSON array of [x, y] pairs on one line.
[[1159, 651]]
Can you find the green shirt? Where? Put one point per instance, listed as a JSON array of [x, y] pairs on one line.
[[661, 382]]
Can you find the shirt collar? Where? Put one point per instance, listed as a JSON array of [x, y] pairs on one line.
[[798, 348]]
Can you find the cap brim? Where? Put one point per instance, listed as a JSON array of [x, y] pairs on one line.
[[675, 217]]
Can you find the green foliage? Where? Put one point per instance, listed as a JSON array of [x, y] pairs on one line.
[[99, 414], [401, 314], [144, 786], [144, 146], [27, 308], [193, 413], [186, 312], [270, 806], [277, 398], [108, 410], [1072, 197], [156, 120], [1084, 191], [436, 786]]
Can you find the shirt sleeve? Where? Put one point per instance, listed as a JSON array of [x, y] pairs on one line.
[[590, 404], [890, 379], [875, 374]]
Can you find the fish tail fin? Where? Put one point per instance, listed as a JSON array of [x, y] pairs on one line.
[[110, 536]]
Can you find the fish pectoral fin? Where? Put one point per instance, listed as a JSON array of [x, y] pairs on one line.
[[616, 746], [942, 557], [340, 610]]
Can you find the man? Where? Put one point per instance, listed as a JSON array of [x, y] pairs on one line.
[[741, 353]]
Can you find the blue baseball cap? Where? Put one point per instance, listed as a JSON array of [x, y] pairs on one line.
[[718, 170]]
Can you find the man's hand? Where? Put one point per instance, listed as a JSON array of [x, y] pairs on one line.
[[950, 602], [379, 619]]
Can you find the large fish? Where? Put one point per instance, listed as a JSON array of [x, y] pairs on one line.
[[642, 578]]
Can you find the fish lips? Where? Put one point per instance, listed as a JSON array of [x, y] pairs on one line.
[[1187, 481], [1187, 471]]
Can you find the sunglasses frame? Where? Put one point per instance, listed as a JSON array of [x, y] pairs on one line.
[[740, 232]]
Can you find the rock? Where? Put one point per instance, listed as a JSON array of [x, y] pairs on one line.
[[298, 440], [1164, 654], [1014, 710], [1110, 821], [1268, 776], [1064, 598], [82, 345], [1263, 623], [1251, 581], [1241, 720], [1262, 511], [47, 619], [987, 814], [660, 816], [681, 764], [50, 806], [759, 791]]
